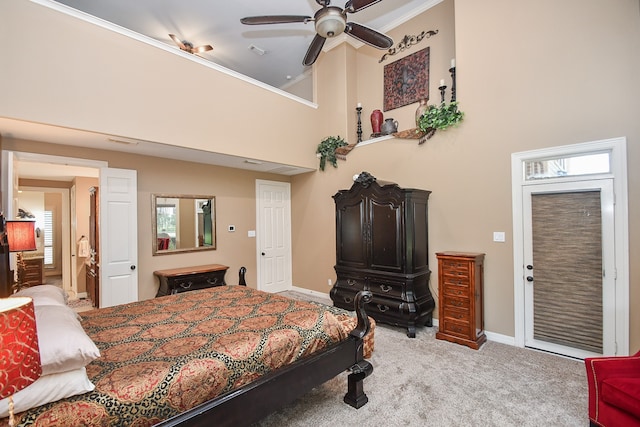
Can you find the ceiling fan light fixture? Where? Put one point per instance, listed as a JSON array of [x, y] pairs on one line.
[[330, 22]]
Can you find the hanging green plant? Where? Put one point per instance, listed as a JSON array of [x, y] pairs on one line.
[[327, 150], [441, 117]]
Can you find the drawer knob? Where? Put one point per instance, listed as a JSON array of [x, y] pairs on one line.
[[212, 281], [348, 300], [383, 308], [351, 282], [186, 285], [385, 288]]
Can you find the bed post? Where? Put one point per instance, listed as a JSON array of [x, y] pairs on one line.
[[242, 281], [355, 392]]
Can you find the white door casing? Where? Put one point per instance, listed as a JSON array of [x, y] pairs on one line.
[[273, 228], [605, 188], [616, 147], [118, 236], [10, 177]]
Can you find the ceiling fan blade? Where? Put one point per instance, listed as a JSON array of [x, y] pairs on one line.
[[314, 50], [202, 49], [275, 19], [368, 36], [177, 41], [353, 6]]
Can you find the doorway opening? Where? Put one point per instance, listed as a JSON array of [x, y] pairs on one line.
[[52, 187], [550, 195]]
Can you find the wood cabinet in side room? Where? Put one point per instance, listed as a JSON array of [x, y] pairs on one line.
[[93, 264]]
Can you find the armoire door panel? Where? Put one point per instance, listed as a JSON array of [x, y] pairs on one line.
[[351, 225], [386, 232]]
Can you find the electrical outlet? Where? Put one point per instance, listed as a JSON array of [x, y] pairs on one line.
[[232, 228]]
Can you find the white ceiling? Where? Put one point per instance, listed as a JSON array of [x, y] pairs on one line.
[[200, 22], [217, 22]]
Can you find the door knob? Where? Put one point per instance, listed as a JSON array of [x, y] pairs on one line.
[[263, 254], [529, 267], [529, 279], [133, 267]]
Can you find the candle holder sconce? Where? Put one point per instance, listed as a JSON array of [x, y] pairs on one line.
[[452, 70], [359, 130]]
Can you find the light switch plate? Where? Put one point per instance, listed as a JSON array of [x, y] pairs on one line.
[[498, 236]]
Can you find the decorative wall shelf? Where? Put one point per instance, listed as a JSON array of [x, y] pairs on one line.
[[341, 152], [415, 133]]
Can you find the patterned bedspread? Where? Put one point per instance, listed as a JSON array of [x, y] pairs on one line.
[[163, 356]]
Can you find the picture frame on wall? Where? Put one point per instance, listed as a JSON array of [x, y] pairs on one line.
[[406, 80]]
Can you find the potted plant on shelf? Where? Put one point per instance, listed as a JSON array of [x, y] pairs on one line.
[[327, 150], [440, 117]]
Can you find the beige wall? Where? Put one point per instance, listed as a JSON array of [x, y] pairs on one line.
[[233, 189], [530, 75], [91, 78]]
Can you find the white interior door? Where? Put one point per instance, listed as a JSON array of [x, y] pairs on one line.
[[118, 236], [569, 268], [273, 235]]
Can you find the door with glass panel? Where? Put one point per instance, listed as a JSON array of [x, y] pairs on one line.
[[569, 267]]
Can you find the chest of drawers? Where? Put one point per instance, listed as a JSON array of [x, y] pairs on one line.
[[33, 271], [184, 279], [460, 282]]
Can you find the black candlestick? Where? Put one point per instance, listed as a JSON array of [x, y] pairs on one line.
[[452, 70], [359, 111], [442, 89]]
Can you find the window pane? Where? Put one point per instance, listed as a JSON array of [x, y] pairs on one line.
[[585, 164]]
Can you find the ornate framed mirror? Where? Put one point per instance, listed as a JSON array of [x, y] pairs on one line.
[[182, 223]]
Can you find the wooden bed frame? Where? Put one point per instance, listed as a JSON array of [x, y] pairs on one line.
[[260, 398], [271, 392]]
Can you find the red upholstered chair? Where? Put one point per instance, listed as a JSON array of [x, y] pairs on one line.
[[614, 390]]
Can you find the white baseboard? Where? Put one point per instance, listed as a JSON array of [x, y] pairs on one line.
[[313, 293], [503, 339], [82, 295], [491, 336]]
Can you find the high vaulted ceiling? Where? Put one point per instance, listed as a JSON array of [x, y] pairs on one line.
[[217, 22], [202, 22]]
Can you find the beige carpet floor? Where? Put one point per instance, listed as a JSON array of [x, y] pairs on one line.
[[428, 382]]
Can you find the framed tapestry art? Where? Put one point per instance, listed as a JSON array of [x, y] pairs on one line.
[[406, 80]]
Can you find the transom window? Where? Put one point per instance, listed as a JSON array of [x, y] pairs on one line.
[[580, 164]]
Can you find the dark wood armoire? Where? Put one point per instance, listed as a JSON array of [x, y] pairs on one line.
[[382, 246]]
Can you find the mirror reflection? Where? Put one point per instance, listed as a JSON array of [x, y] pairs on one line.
[[183, 223]]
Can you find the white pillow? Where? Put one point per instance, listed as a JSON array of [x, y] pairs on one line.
[[48, 388], [44, 295], [64, 345]]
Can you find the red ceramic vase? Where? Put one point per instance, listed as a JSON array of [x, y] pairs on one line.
[[376, 120]]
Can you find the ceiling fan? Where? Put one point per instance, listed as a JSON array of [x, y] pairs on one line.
[[188, 47], [330, 21]]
